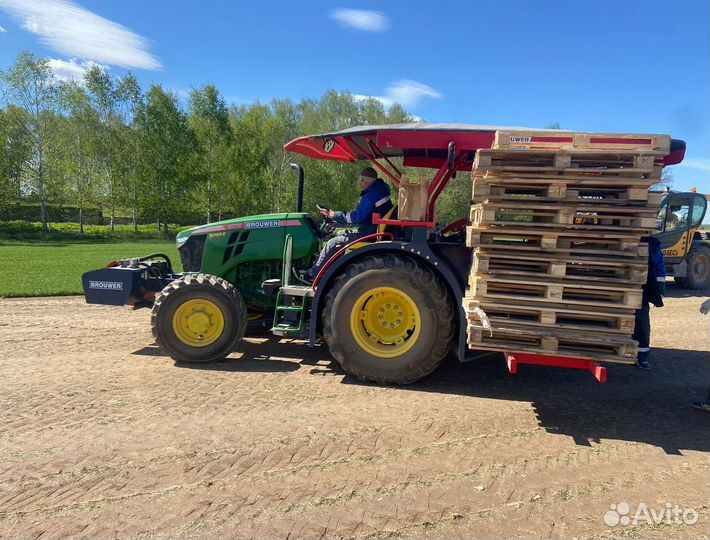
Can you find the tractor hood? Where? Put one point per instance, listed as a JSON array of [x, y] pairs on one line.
[[263, 221]]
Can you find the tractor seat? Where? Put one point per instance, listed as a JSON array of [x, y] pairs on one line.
[[382, 227]]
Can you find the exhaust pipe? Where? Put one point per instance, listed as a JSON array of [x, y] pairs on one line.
[[299, 197]]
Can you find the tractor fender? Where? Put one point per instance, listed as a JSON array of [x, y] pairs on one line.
[[416, 250]]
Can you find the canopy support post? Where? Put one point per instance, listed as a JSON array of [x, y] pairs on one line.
[[441, 179], [374, 161]]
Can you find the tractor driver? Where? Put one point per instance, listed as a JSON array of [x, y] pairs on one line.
[[672, 221], [374, 197]]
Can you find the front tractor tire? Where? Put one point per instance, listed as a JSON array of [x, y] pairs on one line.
[[388, 319], [698, 269], [198, 318]]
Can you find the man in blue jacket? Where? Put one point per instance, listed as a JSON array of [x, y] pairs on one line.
[[374, 197], [653, 292], [704, 405]]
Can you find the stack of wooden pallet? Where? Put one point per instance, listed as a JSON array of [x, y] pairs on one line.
[[557, 221]]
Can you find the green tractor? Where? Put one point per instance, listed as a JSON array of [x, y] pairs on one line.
[[388, 306]]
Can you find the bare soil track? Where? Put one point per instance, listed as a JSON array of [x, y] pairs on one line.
[[101, 436]]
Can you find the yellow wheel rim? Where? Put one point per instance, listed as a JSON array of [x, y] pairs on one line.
[[385, 322], [198, 322]]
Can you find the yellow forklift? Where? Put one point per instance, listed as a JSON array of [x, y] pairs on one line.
[[686, 249]]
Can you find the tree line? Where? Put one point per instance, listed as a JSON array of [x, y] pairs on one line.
[[144, 156]]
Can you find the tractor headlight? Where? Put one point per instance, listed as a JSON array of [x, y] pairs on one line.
[[180, 240]]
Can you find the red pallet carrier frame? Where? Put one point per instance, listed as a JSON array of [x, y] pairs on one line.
[[513, 359]]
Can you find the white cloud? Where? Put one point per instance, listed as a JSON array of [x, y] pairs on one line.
[[405, 92], [386, 102], [702, 164], [77, 32], [72, 69], [409, 93], [361, 19], [2, 30]]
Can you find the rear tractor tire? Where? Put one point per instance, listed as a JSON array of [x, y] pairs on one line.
[[388, 319], [198, 318], [698, 269]]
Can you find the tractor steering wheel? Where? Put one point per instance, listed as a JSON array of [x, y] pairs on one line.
[[326, 226]]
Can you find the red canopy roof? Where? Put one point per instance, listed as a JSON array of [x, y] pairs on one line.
[[420, 144]]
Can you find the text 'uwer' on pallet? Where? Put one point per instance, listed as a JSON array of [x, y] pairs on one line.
[[556, 230]]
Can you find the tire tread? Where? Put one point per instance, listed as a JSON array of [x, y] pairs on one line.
[[201, 280]]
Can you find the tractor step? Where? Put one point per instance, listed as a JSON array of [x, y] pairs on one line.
[[285, 330], [291, 313], [298, 290], [293, 302]]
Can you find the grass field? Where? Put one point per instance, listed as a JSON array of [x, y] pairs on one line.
[[54, 268]]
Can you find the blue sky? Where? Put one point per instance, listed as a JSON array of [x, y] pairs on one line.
[[628, 66]]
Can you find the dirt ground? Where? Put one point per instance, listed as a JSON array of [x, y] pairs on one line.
[[101, 436]]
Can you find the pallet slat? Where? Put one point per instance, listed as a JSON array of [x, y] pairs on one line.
[[582, 294], [554, 241], [574, 216], [614, 196], [584, 318], [559, 140], [626, 195], [566, 162], [510, 263], [513, 339]]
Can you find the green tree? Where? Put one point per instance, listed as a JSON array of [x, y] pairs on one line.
[[209, 118], [77, 146], [125, 135], [106, 142], [105, 97], [30, 86], [283, 127], [167, 157], [250, 158], [15, 150], [455, 201]]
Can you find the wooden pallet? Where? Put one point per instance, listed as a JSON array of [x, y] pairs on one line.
[[554, 343], [577, 176], [569, 179], [578, 318], [601, 250], [512, 263], [574, 163], [542, 290], [567, 140], [545, 192], [529, 240], [574, 215]]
